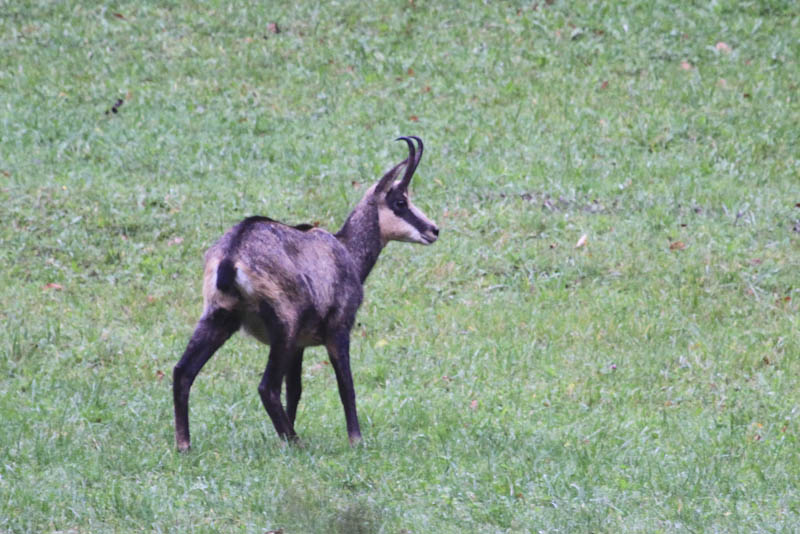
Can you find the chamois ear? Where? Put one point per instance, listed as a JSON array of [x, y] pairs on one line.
[[409, 163]]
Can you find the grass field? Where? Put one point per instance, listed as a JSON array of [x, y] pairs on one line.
[[647, 381]]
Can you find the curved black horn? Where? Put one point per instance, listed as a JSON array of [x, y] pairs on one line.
[[419, 150], [411, 162]]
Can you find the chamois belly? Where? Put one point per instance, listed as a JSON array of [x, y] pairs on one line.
[[310, 330], [254, 325]]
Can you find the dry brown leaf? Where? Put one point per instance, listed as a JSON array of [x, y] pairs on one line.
[[677, 245], [272, 27], [413, 118], [582, 241], [159, 374], [175, 241], [318, 366], [685, 65], [53, 285], [473, 405]]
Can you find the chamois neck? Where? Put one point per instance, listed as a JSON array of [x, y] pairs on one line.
[[361, 236]]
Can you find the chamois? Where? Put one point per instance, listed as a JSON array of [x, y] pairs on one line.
[[293, 287]]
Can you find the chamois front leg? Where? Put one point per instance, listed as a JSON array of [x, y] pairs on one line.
[[294, 386], [338, 345], [213, 329]]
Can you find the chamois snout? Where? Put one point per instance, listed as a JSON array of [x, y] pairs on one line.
[[430, 234]]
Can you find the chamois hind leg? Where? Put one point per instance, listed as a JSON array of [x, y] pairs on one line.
[[270, 390], [294, 386], [281, 351], [338, 345], [212, 330]]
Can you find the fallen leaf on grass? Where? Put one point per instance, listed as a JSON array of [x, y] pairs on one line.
[[53, 285], [175, 241], [151, 299], [723, 47], [582, 241], [685, 65], [413, 118], [677, 245], [317, 366], [159, 374], [119, 16], [273, 28], [473, 405], [604, 85]]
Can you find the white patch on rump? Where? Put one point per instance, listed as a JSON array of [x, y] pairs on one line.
[[243, 281]]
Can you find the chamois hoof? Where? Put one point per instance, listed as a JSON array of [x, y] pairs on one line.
[[295, 441], [355, 440]]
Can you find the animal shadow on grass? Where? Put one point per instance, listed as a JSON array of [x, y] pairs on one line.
[[315, 513]]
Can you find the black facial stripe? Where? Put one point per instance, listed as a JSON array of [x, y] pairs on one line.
[[394, 195], [411, 218]]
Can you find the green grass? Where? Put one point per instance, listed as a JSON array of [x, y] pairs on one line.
[[507, 381]]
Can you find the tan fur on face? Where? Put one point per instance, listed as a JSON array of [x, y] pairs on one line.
[[393, 228]]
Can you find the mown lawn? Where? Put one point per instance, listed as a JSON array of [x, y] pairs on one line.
[[508, 381]]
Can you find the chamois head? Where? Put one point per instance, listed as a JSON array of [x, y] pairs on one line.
[[398, 218]]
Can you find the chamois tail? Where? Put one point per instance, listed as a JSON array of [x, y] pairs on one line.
[[226, 275]]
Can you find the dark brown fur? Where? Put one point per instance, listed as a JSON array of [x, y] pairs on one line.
[[296, 287]]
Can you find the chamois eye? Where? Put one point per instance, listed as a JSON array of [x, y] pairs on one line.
[[401, 204]]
